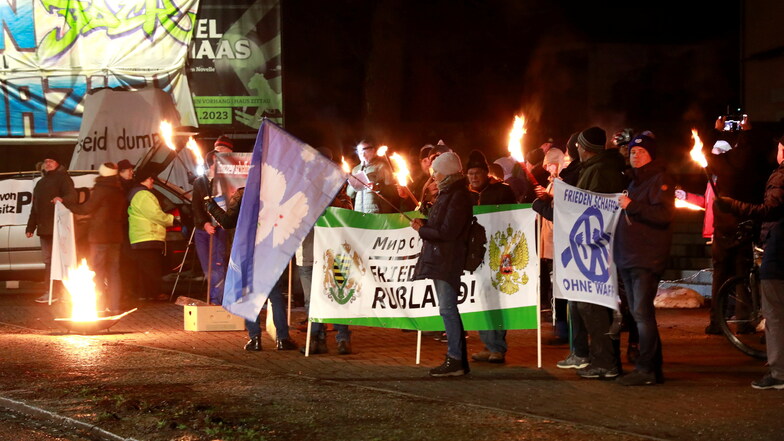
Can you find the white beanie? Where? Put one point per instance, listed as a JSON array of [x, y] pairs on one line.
[[447, 164], [720, 147], [107, 169]]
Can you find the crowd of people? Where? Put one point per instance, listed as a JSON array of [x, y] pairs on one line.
[[445, 191]]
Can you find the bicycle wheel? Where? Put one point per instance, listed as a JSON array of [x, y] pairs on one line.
[[742, 323]]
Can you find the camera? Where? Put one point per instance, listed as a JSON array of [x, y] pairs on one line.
[[731, 125], [732, 121]]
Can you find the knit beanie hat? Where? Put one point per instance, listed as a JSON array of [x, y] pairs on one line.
[[424, 152], [721, 146], [645, 142], [535, 156], [553, 156], [107, 169], [476, 159], [124, 165], [51, 154], [571, 146], [224, 141], [593, 139], [447, 163]]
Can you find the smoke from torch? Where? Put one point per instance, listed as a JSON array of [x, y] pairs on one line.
[[515, 146]]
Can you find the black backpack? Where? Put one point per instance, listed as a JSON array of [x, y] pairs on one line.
[[477, 238]]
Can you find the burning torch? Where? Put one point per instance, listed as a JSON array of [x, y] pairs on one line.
[[699, 157], [347, 169], [515, 146]]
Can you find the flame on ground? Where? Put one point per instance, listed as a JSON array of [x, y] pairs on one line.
[[516, 138], [80, 285], [402, 174], [696, 151]]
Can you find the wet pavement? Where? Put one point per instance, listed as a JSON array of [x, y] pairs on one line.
[[706, 394]]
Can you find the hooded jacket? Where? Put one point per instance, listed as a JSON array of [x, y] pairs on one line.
[[445, 235], [644, 240], [56, 183], [603, 173]]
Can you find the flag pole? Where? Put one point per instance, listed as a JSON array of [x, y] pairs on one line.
[[380, 196]]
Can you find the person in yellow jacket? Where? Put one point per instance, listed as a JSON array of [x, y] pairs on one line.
[[147, 232]]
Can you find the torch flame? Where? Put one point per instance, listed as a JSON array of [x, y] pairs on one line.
[[402, 174], [344, 165], [193, 146], [382, 151], [696, 151], [516, 138], [80, 285], [687, 205], [167, 134]]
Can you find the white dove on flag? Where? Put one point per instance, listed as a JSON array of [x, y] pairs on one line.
[[276, 217]]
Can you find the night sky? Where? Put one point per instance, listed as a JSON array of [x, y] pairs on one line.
[[406, 73]]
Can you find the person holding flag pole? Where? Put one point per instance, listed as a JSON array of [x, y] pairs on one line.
[[210, 239]]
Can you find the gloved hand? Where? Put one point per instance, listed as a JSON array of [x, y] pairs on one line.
[[680, 194], [724, 203]]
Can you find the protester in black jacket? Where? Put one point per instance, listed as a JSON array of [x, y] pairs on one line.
[[771, 211], [55, 185], [107, 208], [445, 235], [740, 174], [485, 190], [642, 245]]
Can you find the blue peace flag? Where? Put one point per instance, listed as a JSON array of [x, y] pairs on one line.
[[583, 231], [288, 187]]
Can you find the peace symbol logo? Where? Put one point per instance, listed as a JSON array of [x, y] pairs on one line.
[[588, 246]]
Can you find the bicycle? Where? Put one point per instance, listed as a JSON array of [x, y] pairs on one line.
[[742, 321]]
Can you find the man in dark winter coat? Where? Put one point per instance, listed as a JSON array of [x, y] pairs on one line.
[[107, 209], [771, 211], [594, 354], [55, 185], [445, 236], [740, 175], [642, 245], [488, 191]]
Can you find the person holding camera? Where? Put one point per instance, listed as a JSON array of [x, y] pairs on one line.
[[740, 175], [771, 212]]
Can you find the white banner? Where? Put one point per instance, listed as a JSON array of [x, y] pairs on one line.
[[583, 229], [63, 242], [364, 266], [16, 197], [119, 125]]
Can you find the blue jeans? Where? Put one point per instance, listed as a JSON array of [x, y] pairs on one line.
[[278, 316], [218, 271], [453, 324], [105, 261], [495, 340], [641, 285], [317, 329]]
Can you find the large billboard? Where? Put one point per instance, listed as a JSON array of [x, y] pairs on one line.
[[53, 52], [234, 65]]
